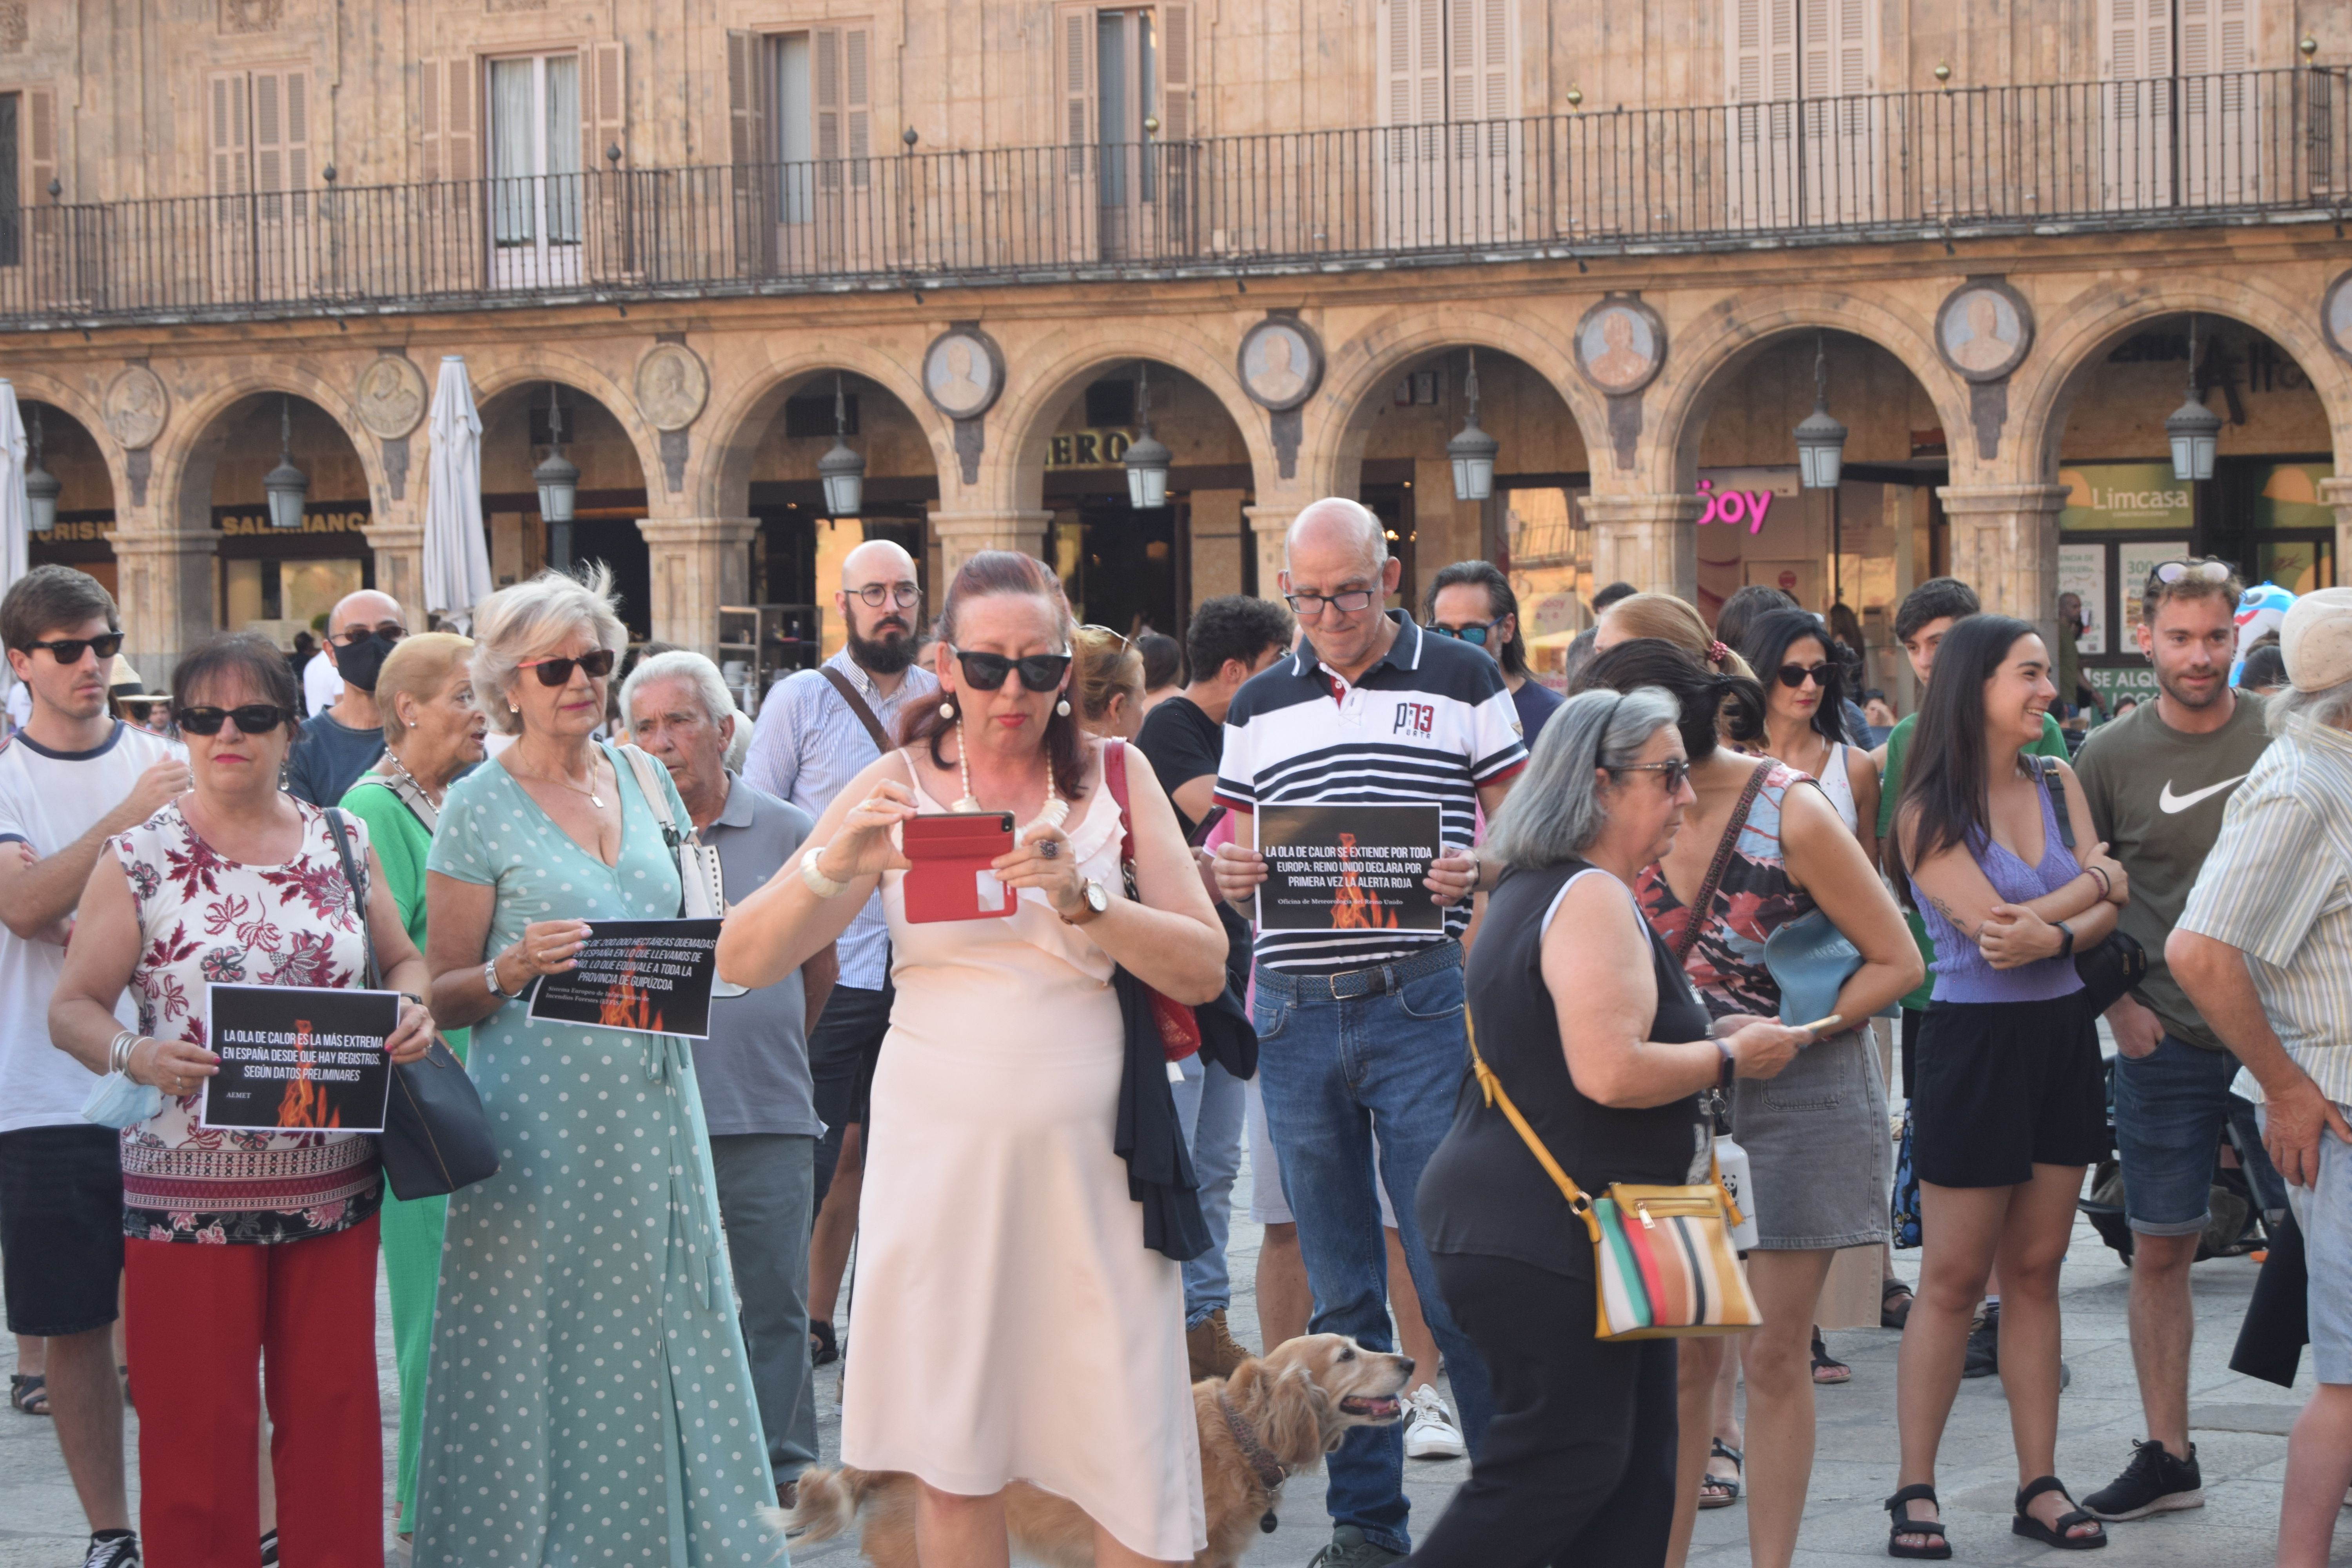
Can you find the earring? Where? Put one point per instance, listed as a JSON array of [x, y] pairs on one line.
[[412, 723], [1063, 708], [947, 709]]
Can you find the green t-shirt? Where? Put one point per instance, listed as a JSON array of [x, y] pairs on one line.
[[2157, 796], [401, 844], [1890, 794]]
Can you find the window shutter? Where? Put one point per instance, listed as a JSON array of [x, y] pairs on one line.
[[429, 120], [447, 119], [1074, 58], [826, 72], [858, 100], [1854, 54], [749, 135], [1761, 53], [2137, 38], [2237, 35], [42, 160], [1818, 38], [1176, 73], [603, 106], [1483, 91], [228, 133], [1412, 61], [2197, 37], [281, 138]]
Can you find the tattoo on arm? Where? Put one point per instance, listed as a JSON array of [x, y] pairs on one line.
[[1953, 916]]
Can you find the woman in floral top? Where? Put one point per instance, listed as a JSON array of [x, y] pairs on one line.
[[241, 1242]]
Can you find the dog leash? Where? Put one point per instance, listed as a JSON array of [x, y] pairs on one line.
[[1262, 1462]]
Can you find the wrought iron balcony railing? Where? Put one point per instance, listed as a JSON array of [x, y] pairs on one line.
[[2101, 155]]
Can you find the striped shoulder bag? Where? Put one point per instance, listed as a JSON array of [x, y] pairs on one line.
[[1662, 1256]]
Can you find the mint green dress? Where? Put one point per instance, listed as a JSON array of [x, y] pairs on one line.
[[589, 1399], [411, 1231]]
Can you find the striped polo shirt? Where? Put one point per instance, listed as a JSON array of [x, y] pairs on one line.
[[2277, 886], [1427, 724]]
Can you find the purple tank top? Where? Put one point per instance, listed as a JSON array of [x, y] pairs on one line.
[[1961, 973]]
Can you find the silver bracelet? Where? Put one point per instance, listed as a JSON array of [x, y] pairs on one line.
[[117, 1051], [490, 979], [823, 886]]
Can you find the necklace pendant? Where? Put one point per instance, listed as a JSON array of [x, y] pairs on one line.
[[595, 800], [967, 806]]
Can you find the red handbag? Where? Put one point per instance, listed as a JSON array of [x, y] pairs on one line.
[[1180, 1031]]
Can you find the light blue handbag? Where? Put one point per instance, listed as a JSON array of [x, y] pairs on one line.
[[1809, 960]]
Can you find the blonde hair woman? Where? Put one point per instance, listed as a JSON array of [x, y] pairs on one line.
[[1108, 683], [584, 1295], [1674, 620]]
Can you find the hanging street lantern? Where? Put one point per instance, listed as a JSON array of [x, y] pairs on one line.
[[1147, 456], [1821, 439], [2194, 429], [558, 479], [842, 469], [41, 486], [1472, 451], [285, 485]]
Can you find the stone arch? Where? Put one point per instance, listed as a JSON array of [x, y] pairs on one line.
[[79, 401], [720, 476], [503, 372], [1363, 367], [1704, 354], [2072, 346], [1011, 474], [189, 451]]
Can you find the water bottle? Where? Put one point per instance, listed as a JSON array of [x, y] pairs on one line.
[[1731, 1160]]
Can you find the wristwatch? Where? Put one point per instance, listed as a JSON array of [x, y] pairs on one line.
[[1098, 899], [1730, 1065], [2065, 940]]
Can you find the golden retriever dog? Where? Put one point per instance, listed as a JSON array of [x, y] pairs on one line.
[[1297, 1403]]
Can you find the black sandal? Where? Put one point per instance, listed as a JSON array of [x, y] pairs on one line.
[[2032, 1529], [1721, 1491], [1938, 1549], [1894, 1314], [824, 1351], [1827, 1370], [29, 1393]]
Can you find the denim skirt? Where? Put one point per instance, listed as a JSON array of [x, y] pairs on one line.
[[1820, 1155]]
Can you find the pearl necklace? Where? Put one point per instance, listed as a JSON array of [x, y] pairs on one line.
[[1056, 810]]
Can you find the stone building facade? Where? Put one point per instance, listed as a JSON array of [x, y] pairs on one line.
[[1996, 228]]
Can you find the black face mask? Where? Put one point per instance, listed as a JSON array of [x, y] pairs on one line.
[[361, 662]]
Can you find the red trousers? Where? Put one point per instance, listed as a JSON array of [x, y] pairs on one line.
[[201, 1322]]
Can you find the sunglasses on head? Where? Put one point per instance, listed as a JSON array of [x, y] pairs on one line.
[[2169, 573], [1476, 636], [68, 650], [558, 672], [250, 718], [1039, 672], [1794, 676]]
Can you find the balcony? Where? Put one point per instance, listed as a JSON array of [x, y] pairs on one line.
[[2250, 146]]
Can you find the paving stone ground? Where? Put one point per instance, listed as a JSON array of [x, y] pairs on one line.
[[2241, 1425]]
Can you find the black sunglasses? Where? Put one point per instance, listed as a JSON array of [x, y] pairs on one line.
[[68, 650], [558, 672], [1793, 676], [251, 719], [1039, 672], [350, 635], [1673, 773]]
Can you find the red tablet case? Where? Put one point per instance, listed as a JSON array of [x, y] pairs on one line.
[[950, 853]]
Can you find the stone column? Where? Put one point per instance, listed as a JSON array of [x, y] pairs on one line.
[[396, 534], [961, 535], [699, 563], [1650, 540], [165, 584], [1268, 524], [1219, 537], [2005, 546], [2337, 493]]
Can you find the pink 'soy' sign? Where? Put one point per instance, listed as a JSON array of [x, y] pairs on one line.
[[1734, 506]]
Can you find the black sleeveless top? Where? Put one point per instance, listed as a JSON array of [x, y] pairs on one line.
[[1483, 1191]]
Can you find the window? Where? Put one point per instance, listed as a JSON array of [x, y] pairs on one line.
[[258, 134], [1124, 74], [1806, 142], [535, 145], [1445, 60], [12, 212], [2175, 111]]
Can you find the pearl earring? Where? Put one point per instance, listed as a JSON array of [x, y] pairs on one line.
[[947, 709], [1063, 708], [412, 723]]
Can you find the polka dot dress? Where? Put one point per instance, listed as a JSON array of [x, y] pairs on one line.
[[588, 1399]]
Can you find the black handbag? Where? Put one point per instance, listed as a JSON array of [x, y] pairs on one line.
[[436, 1138], [2117, 964]]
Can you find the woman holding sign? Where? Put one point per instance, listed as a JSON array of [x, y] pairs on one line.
[[244, 1236], [996, 1105], [585, 1293]]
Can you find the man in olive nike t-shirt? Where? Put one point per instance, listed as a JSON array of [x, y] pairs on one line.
[[2158, 780]]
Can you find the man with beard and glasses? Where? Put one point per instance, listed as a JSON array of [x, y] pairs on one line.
[[2158, 780], [342, 743], [818, 729]]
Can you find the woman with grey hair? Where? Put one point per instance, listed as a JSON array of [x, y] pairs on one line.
[[1587, 1020], [584, 1296]]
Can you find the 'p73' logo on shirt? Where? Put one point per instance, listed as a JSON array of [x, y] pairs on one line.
[[1414, 719]]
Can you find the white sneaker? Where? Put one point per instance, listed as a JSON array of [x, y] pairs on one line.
[[1430, 1432]]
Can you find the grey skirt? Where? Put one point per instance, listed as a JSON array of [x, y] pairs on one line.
[[1819, 1154]]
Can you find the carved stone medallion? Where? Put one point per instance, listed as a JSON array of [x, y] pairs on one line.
[[136, 406], [390, 397], [1280, 364], [672, 385], [963, 373], [1621, 345], [1984, 329]]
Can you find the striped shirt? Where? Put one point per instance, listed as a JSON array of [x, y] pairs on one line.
[[2278, 887], [805, 747], [1426, 725]]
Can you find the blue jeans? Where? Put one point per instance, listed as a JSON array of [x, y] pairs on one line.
[[1390, 1052], [1210, 1106], [2170, 1106]]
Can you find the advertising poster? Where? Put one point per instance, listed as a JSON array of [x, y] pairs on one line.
[[296, 1058], [2082, 571], [2133, 563], [654, 976], [1348, 867], [2122, 496]]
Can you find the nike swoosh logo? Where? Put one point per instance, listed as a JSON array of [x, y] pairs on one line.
[[2172, 803]]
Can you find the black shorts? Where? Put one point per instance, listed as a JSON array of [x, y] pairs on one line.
[[843, 1049], [60, 1228], [2004, 1087]]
